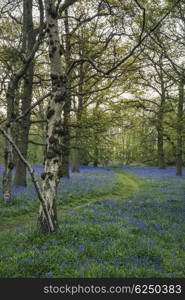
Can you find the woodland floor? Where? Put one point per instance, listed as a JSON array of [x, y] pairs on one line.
[[114, 222]]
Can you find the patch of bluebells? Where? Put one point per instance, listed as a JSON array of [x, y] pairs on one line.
[[140, 235], [90, 180], [100, 180], [153, 172]]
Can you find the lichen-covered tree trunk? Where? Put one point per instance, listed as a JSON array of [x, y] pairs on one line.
[[179, 129], [51, 174], [28, 44]]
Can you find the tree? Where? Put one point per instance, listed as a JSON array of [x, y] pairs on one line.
[[13, 85], [29, 34], [179, 128], [52, 162]]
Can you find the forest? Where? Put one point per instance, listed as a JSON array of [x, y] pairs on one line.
[[92, 156]]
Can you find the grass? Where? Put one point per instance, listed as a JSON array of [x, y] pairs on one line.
[[136, 229]]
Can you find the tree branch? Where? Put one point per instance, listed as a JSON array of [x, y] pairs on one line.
[[66, 4], [133, 50]]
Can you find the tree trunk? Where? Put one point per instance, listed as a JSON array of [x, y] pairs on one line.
[[28, 44], [77, 147], [8, 152], [12, 87], [76, 160], [160, 144], [7, 175], [64, 168], [51, 174], [96, 152], [33, 177], [66, 140], [160, 125], [179, 129]]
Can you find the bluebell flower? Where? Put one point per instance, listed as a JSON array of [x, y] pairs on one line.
[[97, 261], [49, 275]]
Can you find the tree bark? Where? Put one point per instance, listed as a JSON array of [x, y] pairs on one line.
[[7, 175], [160, 144], [12, 87], [77, 146], [64, 172], [51, 173], [179, 129], [95, 138], [34, 179], [8, 152], [76, 160], [160, 125], [28, 44]]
